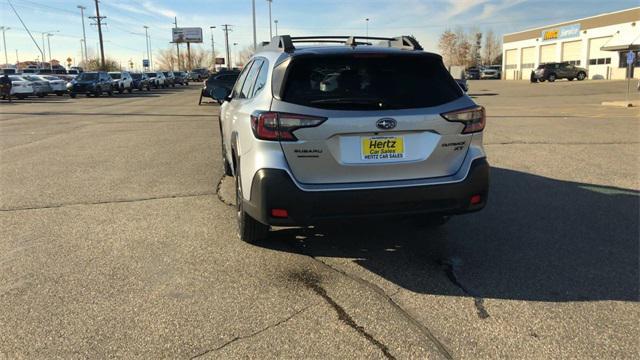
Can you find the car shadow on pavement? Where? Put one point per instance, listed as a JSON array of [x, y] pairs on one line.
[[538, 239]]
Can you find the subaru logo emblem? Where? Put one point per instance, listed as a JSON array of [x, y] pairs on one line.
[[386, 123]]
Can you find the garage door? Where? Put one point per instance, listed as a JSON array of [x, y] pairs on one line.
[[528, 60], [599, 61], [571, 52], [511, 64], [548, 53]]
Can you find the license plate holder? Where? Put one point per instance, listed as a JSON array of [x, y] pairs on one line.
[[382, 148]]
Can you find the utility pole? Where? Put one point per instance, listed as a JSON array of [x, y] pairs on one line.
[[175, 22], [98, 19], [276, 22], [17, 60], [146, 37], [84, 35], [255, 40], [270, 31], [4, 41], [49, 47], [226, 43], [213, 48]]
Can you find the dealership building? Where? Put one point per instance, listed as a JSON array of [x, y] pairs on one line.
[[598, 43]]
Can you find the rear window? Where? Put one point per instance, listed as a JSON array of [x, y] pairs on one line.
[[370, 81], [115, 76], [136, 76]]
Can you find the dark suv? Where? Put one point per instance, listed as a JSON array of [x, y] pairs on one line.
[[562, 70], [141, 81], [91, 83]]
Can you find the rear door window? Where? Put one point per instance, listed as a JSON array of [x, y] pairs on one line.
[[243, 75], [262, 78], [370, 82], [251, 79]]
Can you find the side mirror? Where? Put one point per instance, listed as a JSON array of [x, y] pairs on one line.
[[221, 93]]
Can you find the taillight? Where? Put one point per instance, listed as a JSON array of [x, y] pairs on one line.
[[474, 119], [269, 125]]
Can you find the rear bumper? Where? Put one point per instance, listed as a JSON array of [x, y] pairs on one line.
[[274, 189]]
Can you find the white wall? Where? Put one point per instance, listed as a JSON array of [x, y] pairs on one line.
[[610, 71]]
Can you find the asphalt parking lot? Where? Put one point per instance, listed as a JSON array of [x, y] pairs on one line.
[[118, 240]]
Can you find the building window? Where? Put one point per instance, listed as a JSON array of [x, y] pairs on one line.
[[574, 62], [600, 61], [528, 66], [622, 57], [511, 66]]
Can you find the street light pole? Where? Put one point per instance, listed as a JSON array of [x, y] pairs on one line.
[[235, 51], [270, 31], [255, 40], [276, 22], [4, 41], [44, 50], [367, 20], [49, 47], [84, 35], [146, 37], [213, 48]]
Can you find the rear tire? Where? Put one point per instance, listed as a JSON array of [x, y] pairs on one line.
[[570, 78], [72, 95], [130, 89], [551, 77], [581, 76], [249, 229]]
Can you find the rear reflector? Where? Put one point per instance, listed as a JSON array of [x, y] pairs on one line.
[[474, 119], [279, 213], [476, 199]]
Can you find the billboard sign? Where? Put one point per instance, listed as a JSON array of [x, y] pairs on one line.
[[190, 35], [563, 32], [145, 63], [219, 61]]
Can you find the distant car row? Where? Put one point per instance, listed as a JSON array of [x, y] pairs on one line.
[[93, 83], [484, 72]]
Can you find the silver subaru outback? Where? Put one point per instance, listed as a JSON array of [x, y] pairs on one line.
[[326, 131]]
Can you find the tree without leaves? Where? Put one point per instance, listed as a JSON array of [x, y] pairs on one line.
[[93, 64], [168, 59], [492, 51], [447, 46]]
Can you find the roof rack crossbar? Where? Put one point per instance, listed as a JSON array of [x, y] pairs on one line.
[[285, 42]]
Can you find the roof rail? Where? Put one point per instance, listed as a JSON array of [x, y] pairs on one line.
[[286, 43]]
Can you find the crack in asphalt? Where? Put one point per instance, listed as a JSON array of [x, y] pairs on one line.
[[222, 200], [343, 315], [405, 313], [450, 266], [238, 338], [55, 206], [312, 282]]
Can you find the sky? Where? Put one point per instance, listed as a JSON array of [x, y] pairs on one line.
[[124, 38]]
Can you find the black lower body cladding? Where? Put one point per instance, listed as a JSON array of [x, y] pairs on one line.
[[274, 189]]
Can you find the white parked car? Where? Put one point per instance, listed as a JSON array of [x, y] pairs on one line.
[[20, 87], [157, 79], [58, 86], [122, 81]]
